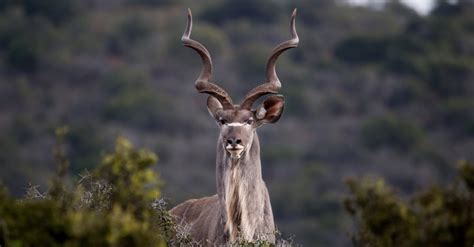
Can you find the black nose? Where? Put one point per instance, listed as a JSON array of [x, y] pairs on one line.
[[234, 141]]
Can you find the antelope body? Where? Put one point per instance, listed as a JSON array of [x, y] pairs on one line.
[[241, 208]]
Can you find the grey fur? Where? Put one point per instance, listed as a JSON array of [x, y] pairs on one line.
[[241, 208]]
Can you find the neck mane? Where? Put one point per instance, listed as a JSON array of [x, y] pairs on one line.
[[240, 191]]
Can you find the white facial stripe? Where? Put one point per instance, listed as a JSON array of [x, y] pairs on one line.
[[235, 124], [235, 152], [237, 147]]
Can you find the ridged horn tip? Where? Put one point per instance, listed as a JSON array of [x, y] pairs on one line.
[[189, 26], [294, 34]]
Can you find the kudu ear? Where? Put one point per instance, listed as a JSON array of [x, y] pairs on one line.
[[271, 109], [213, 106]]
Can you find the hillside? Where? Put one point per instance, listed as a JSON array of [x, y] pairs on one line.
[[384, 92]]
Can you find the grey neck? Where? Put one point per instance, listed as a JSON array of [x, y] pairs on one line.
[[240, 189]]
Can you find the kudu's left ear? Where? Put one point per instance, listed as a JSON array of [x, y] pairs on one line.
[[271, 109], [213, 106]]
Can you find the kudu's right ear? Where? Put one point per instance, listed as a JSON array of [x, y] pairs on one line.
[[213, 106]]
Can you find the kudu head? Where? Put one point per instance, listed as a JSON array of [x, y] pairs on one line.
[[238, 122]]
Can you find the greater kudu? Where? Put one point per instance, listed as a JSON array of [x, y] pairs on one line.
[[241, 209]]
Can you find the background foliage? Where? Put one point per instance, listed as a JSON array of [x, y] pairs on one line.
[[437, 216], [380, 91]]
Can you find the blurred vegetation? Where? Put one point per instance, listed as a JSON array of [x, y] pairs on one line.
[[117, 204], [436, 216], [392, 132], [379, 90]]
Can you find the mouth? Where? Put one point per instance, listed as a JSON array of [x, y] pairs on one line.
[[235, 151]]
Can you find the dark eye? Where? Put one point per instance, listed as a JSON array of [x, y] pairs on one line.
[[222, 121], [249, 121]]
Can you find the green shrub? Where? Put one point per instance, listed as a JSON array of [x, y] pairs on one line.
[[115, 205], [438, 216], [382, 219]]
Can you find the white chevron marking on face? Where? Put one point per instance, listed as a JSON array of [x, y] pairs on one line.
[[235, 124]]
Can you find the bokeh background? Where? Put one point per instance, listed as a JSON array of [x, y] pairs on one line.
[[375, 87]]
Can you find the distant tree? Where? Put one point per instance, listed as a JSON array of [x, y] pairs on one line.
[[257, 11], [154, 3], [27, 29], [360, 50], [392, 132], [129, 32], [449, 8], [57, 11]]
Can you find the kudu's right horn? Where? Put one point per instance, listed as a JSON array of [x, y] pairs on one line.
[[202, 83]]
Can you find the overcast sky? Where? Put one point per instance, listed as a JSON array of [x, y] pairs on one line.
[[423, 7]]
